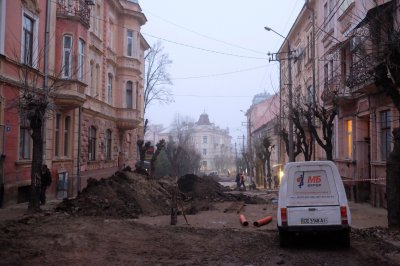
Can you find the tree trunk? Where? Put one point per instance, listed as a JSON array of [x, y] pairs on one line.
[[37, 160], [393, 183]]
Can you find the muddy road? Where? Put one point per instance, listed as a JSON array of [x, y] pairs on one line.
[[212, 236]]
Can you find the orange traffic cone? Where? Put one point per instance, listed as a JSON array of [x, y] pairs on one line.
[[243, 220], [263, 221]]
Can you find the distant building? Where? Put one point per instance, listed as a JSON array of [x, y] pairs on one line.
[[211, 142]]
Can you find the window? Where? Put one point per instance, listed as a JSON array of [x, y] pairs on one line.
[[204, 151], [204, 139], [137, 98], [67, 129], [81, 60], [109, 88], [92, 144], [57, 139], [96, 80], [91, 79], [24, 140], [62, 141], [95, 20], [326, 74], [386, 136], [349, 139], [27, 40], [129, 43], [110, 34], [129, 95], [344, 5], [108, 144], [67, 56]]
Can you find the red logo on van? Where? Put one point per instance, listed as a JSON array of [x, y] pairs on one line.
[[314, 179]]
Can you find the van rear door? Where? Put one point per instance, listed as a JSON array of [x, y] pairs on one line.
[[313, 198]]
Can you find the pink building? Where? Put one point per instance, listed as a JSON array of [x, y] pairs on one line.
[[263, 121], [336, 50], [96, 56]]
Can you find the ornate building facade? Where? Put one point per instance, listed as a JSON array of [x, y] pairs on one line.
[[95, 54]]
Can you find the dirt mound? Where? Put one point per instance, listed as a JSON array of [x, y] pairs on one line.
[[123, 195], [200, 193], [128, 194], [201, 187]]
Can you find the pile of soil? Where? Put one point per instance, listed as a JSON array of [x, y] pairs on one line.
[[200, 193], [129, 194], [123, 195]]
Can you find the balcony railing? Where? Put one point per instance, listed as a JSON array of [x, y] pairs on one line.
[[75, 8], [362, 72]]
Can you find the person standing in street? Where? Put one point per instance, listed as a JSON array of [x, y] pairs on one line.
[[242, 181], [237, 180], [45, 181]]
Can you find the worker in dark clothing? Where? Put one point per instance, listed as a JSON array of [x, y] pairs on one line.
[[45, 181]]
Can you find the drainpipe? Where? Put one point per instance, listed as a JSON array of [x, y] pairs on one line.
[[46, 71], [78, 163]]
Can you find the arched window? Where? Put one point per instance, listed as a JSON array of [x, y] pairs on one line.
[[108, 144], [92, 144], [129, 94], [91, 79], [109, 88]]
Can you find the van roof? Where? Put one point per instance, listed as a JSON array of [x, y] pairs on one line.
[[313, 163]]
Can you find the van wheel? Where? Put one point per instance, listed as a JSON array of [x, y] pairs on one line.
[[345, 239], [284, 238]]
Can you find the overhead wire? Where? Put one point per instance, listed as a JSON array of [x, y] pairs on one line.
[[203, 35]]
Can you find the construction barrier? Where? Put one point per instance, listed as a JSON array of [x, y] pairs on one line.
[[243, 220], [263, 221]]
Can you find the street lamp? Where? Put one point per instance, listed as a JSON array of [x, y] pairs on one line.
[[290, 133]]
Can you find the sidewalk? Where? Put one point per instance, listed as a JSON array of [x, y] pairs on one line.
[[17, 211]]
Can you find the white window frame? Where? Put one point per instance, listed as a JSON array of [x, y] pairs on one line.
[[81, 60], [130, 42], [35, 41], [64, 50]]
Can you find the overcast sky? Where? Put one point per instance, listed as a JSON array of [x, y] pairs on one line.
[[219, 52]]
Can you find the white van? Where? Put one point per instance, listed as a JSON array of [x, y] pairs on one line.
[[311, 199]]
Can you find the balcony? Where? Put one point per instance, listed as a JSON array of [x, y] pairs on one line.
[[70, 94], [362, 74], [128, 63], [75, 9], [127, 119]]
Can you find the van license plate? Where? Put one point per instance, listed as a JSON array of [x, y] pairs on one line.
[[314, 220]]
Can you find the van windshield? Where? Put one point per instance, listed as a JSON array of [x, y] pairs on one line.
[[311, 187]]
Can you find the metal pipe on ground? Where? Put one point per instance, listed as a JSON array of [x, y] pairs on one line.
[[263, 221], [243, 220]]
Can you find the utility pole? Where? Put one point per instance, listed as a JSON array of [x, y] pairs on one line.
[[290, 94], [314, 99]]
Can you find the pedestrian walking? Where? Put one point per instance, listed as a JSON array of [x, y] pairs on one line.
[[269, 181], [242, 181], [45, 181], [237, 181]]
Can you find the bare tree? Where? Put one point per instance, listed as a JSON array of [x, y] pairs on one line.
[[157, 78], [263, 149], [34, 100], [385, 35], [180, 150]]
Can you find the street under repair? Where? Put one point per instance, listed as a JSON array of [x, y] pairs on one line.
[[126, 220]]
